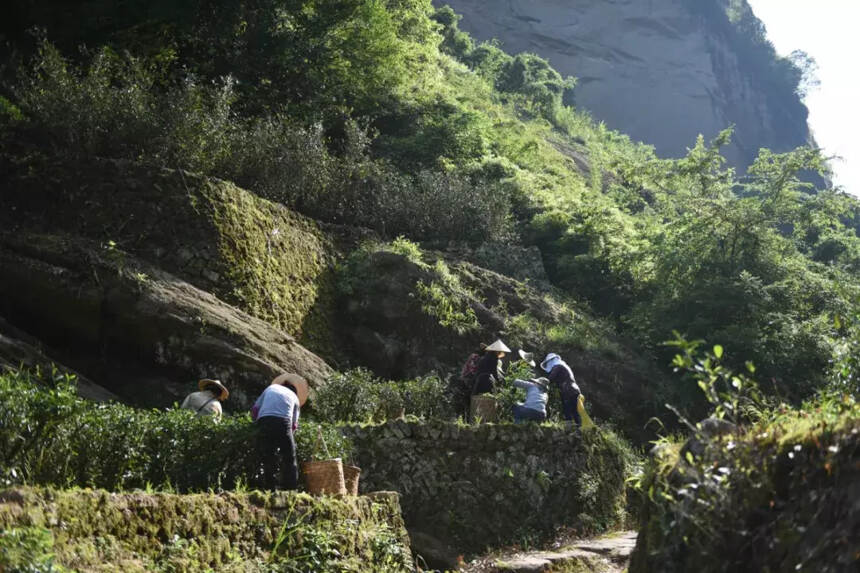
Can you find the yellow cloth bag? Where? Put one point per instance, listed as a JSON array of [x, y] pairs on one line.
[[580, 407]]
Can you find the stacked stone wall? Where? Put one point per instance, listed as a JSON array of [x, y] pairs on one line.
[[474, 487]]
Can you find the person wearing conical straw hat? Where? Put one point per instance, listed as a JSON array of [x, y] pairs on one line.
[[207, 401], [276, 414], [490, 371]]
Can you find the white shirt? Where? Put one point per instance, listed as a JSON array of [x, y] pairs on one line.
[[203, 403], [278, 401]]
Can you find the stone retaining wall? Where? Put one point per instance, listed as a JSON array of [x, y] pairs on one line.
[[94, 530], [477, 486]]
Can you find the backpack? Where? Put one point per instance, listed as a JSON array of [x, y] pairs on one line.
[[470, 368]]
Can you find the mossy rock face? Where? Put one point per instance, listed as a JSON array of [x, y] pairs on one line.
[[94, 530], [138, 330], [257, 255]]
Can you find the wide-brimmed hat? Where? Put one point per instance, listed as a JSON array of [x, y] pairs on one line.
[[297, 382], [497, 346], [549, 358], [207, 383], [528, 357], [542, 382]]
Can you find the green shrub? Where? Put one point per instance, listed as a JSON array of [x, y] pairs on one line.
[[125, 107], [50, 436], [775, 478], [28, 550], [451, 312], [358, 396]]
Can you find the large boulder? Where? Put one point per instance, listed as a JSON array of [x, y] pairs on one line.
[[251, 253], [20, 351], [137, 330]]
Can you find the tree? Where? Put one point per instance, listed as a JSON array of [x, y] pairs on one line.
[[808, 69]]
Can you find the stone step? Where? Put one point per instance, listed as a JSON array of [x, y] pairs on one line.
[[600, 555], [544, 561]]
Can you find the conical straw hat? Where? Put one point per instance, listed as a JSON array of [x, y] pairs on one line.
[[497, 346]]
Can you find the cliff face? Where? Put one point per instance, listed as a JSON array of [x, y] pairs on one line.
[[658, 70]]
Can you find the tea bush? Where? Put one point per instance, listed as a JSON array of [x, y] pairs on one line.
[[772, 490], [50, 436], [358, 396]]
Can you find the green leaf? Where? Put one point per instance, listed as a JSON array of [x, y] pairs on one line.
[[718, 351]]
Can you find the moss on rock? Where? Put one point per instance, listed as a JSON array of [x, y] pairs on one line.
[[140, 328], [406, 311], [781, 495], [94, 530], [260, 256]]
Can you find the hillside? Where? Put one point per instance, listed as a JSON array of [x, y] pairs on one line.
[[451, 143], [360, 192], [661, 72]]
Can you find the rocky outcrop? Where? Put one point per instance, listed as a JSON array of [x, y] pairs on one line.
[[251, 253], [140, 332], [18, 350], [662, 71]]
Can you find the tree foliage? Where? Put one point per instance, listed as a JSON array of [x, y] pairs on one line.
[[384, 114]]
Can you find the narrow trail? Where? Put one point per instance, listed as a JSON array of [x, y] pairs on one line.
[[607, 554]]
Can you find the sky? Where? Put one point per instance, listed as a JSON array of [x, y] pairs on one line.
[[828, 31]]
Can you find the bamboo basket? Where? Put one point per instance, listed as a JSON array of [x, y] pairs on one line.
[[485, 408], [350, 476], [324, 477]]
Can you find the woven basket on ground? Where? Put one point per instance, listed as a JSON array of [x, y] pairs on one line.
[[324, 477], [350, 476], [485, 408]]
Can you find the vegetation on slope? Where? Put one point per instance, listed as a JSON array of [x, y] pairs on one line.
[[50, 436], [382, 114], [755, 487]]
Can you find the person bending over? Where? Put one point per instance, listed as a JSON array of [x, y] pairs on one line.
[[534, 408], [560, 374], [276, 414]]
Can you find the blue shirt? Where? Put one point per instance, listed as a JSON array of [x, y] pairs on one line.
[[535, 395], [280, 402]]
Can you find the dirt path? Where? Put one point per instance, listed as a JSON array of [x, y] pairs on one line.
[[608, 554]]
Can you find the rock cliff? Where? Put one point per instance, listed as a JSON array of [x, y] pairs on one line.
[[662, 71]]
